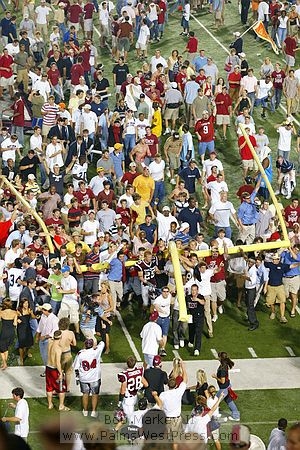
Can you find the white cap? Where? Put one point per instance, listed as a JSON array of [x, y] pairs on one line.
[[237, 34], [87, 106], [31, 176], [184, 226], [166, 208], [174, 84]]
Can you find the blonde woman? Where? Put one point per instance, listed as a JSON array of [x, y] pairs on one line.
[[266, 68], [202, 385], [177, 371], [103, 327]]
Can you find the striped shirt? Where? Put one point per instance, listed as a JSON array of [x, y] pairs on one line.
[[91, 258], [49, 119]]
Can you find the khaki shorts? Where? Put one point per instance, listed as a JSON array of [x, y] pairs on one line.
[[5, 82], [171, 114], [140, 46], [114, 41], [69, 309], [104, 31], [45, 129], [174, 161], [88, 24], [75, 25], [291, 285], [275, 294], [248, 164], [290, 60], [218, 291], [239, 280], [222, 119]]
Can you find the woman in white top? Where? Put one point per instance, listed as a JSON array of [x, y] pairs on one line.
[[282, 27]]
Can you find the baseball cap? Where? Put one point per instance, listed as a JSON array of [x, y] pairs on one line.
[[242, 54], [275, 256], [87, 106], [153, 316], [166, 208], [65, 269], [26, 260], [46, 306], [91, 211], [31, 176], [118, 146], [176, 135], [118, 216], [240, 434], [246, 195], [156, 361], [96, 244], [237, 34], [142, 95], [184, 226], [75, 233], [100, 169], [174, 84], [132, 164], [101, 234], [152, 83], [62, 105]]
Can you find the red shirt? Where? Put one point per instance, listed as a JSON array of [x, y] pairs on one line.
[[290, 46], [76, 71], [7, 62], [245, 152], [278, 78], [18, 108], [4, 232], [291, 215], [129, 177], [125, 30], [223, 101], [125, 213], [108, 197], [205, 128], [200, 79], [234, 77], [86, 53], [152, 142], [162, 15], [181, 79], [213, 263], [53, 76], [54, 222], [74, 13], [88, 10], [84, 199], [192, 45]]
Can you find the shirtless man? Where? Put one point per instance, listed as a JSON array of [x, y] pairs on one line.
[[67, 339], [177, 190], [54, 373]]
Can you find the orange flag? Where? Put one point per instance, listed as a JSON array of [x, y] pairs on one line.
[[261, 32]]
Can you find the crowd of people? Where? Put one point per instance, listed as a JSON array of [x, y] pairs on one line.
[[93, 155]]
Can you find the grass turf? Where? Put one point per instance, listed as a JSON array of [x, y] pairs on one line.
[[259, 409]]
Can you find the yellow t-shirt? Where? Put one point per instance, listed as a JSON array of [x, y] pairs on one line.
[[157, 123], [140, 211], [144, 186]]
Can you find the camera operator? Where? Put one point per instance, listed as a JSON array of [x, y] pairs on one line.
[[90, 311]]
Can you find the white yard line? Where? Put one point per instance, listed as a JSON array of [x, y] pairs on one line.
[[290, 351], [214, 352], [210, 34], [128, 337], [252, 352], [297, 309], [176, 354]]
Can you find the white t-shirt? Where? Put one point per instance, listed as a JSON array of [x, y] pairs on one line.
[[208, 164], [164, 225], [36, 142], [157, 170], [89, 121], [58, 159], [228, 242], [151, 334], [154, 61], [143, 34], [89, 226], [249, 83], [215, 189], [87, 362], [11, 256], [41, 14], [141, 127], [22, 413], [211, 403], [172, 400], [198, 424], [164, 305], [96, 184], [43, 87], [80, 171], [222, 212], [128, 198], [264, 89], [69, 283], [8, 143], [284, 141]]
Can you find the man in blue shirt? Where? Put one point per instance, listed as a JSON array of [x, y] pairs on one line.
[[150, 229], [189, 175], [275, 289], [5, 25], [291, 279], [183, 234], [200, 61], [248, 215], [115, 278], [192, 216]]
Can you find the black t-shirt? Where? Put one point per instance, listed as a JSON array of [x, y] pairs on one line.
[[121, 73], [223, 373], [26, 161], [156, 379], [101, 85], [58, 181], [200, 390], [194, 307]]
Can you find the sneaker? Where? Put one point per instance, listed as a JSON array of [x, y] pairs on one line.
[[277, 192], [181, 343], [94, 414], [85, 413], [272, 316], [220, 309], [196, 353], [210, 335], [172, 131], [173, 181], [288, 197], [283, 319], [176, 346], [163, 352], [190, 345], [214, 318], [233, 419], [168, 173], [167, 131]]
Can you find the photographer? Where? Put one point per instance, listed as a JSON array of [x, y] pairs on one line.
[[90, 311]]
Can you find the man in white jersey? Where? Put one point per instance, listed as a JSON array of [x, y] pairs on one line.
[[88, 371], [69, 304], [14, 274]]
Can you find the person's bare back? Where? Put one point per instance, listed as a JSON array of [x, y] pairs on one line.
[[67, 339], [54, 355]]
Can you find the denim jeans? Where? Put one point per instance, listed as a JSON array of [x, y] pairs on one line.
[[232, 406], [178, 328], [251, 96], [129, 143], [19, 131], [159, 191], [55, 306], [44, 350], [154, 30], [91, 286], [33, 326], [281, 33]]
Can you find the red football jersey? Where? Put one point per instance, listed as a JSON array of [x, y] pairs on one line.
[[213, 263], [205, 129], [133, 378]]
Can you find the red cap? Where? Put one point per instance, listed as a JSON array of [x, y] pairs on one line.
[[97, 243], [153, 316], [156, 361]]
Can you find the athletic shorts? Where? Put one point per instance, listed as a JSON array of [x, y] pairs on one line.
[[290, 60], [218, 291], [124, 44], [88, 24], [53, 384], [222, 119], [92, 388]]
